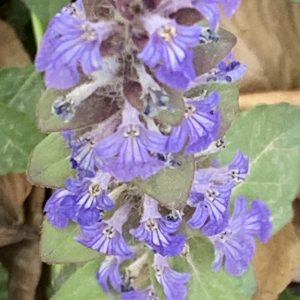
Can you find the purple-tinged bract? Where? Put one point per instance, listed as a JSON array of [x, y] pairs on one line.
[[158, 232], [58, 214], [106, 236], [71, 41], [236, 243], [168, 48], [172, 282], [145, 294], [200, 125], [130, 149], [109, 273], [211, 202]]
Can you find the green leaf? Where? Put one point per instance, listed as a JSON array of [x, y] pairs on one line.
[[3, 282], [170, 186], [20, 88], [45, 9], [18, 137], [229, 102], [59, 275], [206, 284], [207, 56], [288, 295], [270, 136], [49, 164], [173, 116], [59, 247], [83, 285]]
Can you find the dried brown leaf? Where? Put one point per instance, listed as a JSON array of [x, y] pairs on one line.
[[14, 189], [21, 253], [275, 263], [12, 53], [21, 204], [268, 44]]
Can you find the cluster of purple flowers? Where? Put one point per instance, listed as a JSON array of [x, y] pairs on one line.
[[132, 143]]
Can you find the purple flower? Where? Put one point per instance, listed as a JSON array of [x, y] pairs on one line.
[[145, 294], [224, 73], [109, 272], [106, 236], [129, 148], [157, 231], [235, 172], [208, 8], [82, 151], [172, 282], [91, 198], [201, 125], [211, 202], [230, 72], [64, 108], [236, 242], [169, 46], [82, 148], [71, 40], [230, 6], [57, 214]]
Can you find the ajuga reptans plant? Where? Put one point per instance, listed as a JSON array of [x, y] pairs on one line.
[[144, 61]]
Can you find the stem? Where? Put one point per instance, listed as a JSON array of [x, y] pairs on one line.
[[55, 270], [133, 270], [37, 28]]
